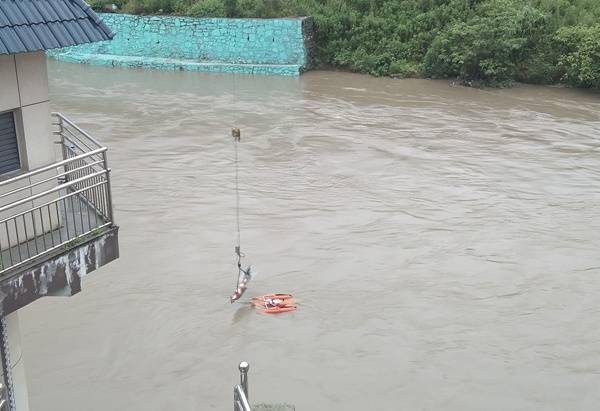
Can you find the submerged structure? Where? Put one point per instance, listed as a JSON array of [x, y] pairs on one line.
[[56, 218]]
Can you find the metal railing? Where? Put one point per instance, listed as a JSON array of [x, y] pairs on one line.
[[58, 204], [240, 391]]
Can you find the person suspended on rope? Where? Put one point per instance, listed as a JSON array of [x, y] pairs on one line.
[[243, 279]]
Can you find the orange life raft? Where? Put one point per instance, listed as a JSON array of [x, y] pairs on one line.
[[274, 303]]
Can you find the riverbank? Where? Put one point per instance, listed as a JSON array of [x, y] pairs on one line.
[[494, 42]]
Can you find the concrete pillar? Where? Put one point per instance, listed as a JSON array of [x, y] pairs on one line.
[[17, 364]]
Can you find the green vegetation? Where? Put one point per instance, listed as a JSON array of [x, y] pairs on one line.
[[489, 41]]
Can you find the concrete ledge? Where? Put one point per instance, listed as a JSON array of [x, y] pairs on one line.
[[111, 60], [58, 274]]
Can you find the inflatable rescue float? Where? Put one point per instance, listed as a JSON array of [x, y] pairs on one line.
[[274, 303]]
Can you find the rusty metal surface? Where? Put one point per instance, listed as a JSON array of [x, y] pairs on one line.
[[58, 274]]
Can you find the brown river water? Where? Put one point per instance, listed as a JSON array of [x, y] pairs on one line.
[[443, 243]]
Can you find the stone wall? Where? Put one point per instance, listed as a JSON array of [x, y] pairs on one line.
[[265, 46]]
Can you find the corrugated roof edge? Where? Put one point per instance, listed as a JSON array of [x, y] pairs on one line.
[[80, 27], [92, 14]]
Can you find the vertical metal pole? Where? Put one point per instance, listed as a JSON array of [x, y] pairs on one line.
[[108, 190], [59, 228], [80, 202], [51, 228], [236, 401], [95, 204], [244, 367], [26, 237], [73, 214], [64, 201], [43, 230], [63, 146], [9, 246], [18, 238], [7, 365], [87, 210], [35, 236]]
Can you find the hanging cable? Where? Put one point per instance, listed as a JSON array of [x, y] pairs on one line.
[[236, 134], [244, 275]]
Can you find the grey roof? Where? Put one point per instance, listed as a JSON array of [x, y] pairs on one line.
[[32, 25]]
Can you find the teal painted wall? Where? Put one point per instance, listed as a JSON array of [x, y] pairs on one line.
[[264, 46]]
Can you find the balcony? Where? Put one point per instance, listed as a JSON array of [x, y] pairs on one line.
[[56, 222]]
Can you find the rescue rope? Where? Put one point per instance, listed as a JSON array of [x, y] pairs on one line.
[[236, 134], [243, 276]]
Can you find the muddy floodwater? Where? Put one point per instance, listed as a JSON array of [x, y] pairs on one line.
[[442, 242]]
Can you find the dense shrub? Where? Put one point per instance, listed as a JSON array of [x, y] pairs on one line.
[[580, 55], [101, 5], [208, 8], [149, 6], [489, 46]]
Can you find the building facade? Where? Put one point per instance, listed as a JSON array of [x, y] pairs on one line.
[[56, 218]]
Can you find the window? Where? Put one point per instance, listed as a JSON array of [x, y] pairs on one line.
[[9, 147]]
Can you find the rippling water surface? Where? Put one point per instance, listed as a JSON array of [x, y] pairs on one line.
[[442, 242]]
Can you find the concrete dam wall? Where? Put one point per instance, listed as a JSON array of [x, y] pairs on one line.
[[248, 46]]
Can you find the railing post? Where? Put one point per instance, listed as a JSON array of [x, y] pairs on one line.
[[244, 367], [63, 147], [236, 400], [240, 402], [108, 189]]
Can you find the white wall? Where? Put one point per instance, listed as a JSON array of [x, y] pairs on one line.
[[9, 97], [24, 81], [24, 89]]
